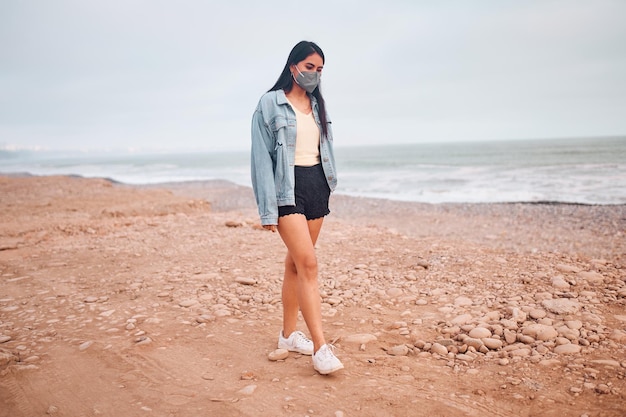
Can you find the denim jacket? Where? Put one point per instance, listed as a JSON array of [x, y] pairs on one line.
[[274, 152]]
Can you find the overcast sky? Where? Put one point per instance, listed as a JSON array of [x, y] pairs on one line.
[[187, 74]]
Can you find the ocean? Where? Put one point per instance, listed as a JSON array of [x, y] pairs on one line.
[[577, 171]]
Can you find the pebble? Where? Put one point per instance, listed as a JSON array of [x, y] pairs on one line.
[[540, 332], [603, 389], [360, 338], [606, 362], [394, 292], [278, 354], [247, 375], [480, 333], [4, 338], [473, 342], [400, 350], [85, 345], [439, 349], [205, 318], [143, 340], [560, 283], [493, 344], [233, 223], [561, 306], [567, 349], [107, 313], [574, 324], [520, 352], [462, 319], [510, 337], [567, 268], [188, 302], [463, 301], [591, 277], [537, 313], [245, 280], [248, 390]]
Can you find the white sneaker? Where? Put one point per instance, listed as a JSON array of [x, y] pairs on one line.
[[325, 361], [296, 342]]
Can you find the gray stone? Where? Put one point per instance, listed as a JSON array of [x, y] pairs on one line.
[[567, 349], [540, 332], [606, 362], [591, 277], [463, 301], [439, 349], [465, 358], [85, 345], [537, 313], [560, 283], [480, 333], [399, 350], [510, 337], [245, 280], [188, 303], [462, 319], [248, 390], [473, 342], [491, 343], [395, 292], [561, 306], [567, 268]]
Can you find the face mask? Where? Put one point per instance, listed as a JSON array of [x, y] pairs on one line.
[[308, 80]]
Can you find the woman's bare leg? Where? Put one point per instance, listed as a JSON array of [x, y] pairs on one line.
[[300, 287]]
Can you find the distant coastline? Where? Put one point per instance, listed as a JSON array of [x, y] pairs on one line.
[[588, 171]]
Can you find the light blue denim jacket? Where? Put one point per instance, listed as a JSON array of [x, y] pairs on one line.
[[274, 153]]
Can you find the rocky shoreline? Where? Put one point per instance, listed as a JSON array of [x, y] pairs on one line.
[[171, 295]]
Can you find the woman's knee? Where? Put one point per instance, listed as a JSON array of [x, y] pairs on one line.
[[290, 265], [307, 266]]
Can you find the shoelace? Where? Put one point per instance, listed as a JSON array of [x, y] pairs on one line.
[[301, 338], [329, 352]]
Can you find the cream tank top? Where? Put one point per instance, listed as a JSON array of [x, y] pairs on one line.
[[307, 139]]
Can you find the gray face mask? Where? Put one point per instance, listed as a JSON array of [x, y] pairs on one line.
[[308, 80]]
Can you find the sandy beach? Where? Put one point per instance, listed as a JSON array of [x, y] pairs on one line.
[[165, 301]]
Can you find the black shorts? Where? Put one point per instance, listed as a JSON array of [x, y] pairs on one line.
[[311, 192]]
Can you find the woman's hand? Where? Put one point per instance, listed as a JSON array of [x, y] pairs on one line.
[[270, 227]]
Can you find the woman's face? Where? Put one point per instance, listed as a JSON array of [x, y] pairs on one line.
[[312, 62]]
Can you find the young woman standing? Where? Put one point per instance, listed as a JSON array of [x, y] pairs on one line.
[[293, 174]]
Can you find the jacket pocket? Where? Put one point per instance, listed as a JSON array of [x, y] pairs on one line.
[[276, 125]]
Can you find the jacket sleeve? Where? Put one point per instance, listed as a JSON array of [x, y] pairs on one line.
[[262, 170]]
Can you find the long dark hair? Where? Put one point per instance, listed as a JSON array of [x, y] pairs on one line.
[[285, 82]]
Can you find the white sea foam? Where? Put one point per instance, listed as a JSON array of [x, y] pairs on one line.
[[587, 171]]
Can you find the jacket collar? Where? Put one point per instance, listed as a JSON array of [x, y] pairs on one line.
[[281, 98]]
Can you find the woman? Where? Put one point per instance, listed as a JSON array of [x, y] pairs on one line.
[[293, 174]]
